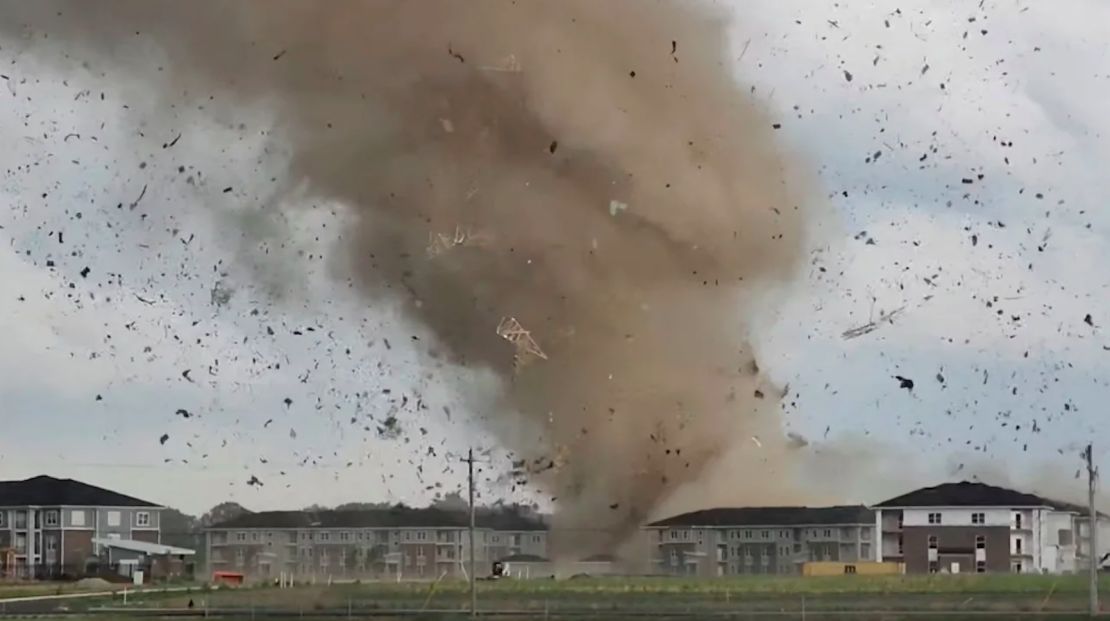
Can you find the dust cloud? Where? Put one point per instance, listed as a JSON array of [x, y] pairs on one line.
[[591, 170]]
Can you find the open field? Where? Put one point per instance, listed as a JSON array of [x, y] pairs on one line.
[[888, 597]]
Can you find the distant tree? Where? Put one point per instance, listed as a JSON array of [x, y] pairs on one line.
[[363, 506], [222, 512], [451, 501], [177, 523]]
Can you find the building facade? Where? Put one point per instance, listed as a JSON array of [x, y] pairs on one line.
[[762, 540], [401, 542], [971, 527], [51, 526]]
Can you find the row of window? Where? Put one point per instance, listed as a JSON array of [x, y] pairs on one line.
[[980, 542], [383, 536], [846, 533], [976, 518], [77, 519], [980, 567]]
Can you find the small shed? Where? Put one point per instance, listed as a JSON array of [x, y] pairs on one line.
[[157, 560]]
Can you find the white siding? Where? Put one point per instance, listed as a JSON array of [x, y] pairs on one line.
[[956, 516]]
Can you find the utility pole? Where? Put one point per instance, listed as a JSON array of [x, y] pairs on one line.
[[1092, 515], [473, 577]]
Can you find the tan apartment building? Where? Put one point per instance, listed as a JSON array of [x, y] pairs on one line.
[[56, 528], [400, 542], [973, 527], [762, 540]]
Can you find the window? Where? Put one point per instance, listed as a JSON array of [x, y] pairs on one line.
[[1017, 521], [933, 543], [845, 533], [899, 545], [828, 532], [747, 534], [980, 567], [256, 537], [325, 536], [142, 518], [76, 518], [784, 534], [865, 550], [934, 518], [865, 533], [113, 518], [933, 567], [51, 518], [1017, 545], [674, 557], [239, 558], [408, 536], [240, 536], [674, 535], [980, 542], [766, 534], [535, 538], [978, 518], [421, 536]]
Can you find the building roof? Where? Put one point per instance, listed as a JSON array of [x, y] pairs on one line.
[[144, 547], [969, 494], [771, 516], [47, 491], [394, 517]]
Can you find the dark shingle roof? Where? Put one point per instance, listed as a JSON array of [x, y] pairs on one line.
[[771, 516], [967, 494], [394, 517], [48, 491]]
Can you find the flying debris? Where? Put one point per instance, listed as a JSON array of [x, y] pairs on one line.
[[526, 347], [871, 326]]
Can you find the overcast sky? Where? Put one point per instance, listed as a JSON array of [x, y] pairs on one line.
[[960, 154]]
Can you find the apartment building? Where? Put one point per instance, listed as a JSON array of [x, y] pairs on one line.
[[762, 540], [60, 527], [400, 542], [974, 527]]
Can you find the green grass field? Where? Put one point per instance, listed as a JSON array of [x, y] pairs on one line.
[[978, 593]]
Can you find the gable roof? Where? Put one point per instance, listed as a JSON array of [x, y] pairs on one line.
[[393, 517], [50, 492], [968, 494], [771, 516]]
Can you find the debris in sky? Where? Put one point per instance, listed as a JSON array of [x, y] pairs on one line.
[[871, 326], [165, 438], [847, 75], [526, 347], [904, 382], [186, 373], [254, 481], [183, 413], [616, 207], [1089, 320]]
